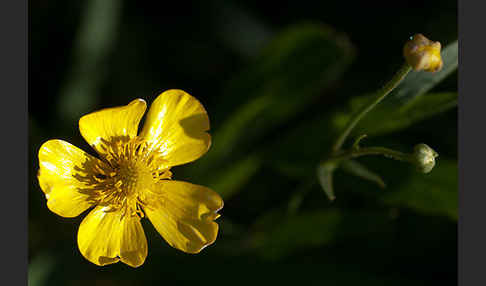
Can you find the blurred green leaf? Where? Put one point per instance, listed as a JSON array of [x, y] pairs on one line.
[[291, 233], [324, 174], [40, 268], [232, 19], [95, 40], [294, 154], [418, 83], [284, 235], [401, 117], [431, 194], [359, 170], [292, 72], [298, 196], [229, 181]]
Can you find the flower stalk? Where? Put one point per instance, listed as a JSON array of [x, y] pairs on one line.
[[420, 54], [422, 157], [389, 153], [380, 95]]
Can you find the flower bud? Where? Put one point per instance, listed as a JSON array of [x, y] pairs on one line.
[[424, 158], [423, 54]]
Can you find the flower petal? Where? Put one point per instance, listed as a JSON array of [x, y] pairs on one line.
[[60, 165], [184, 214], [177, 124], [116, 123], [105, 237]]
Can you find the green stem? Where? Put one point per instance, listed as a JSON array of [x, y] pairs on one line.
[[380, 95], [389, 153], [298, 197]]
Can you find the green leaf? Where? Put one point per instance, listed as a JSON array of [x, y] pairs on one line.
[[291, 73], [359, 170], [292, 233], [229, 181], [40, 268], [401, 117], [278, 235], [298, 196], [294, 155], [95, 40], [432, 194], [324, 174]]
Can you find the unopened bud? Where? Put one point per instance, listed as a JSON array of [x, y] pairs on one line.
[[423, 54], [424, 157]]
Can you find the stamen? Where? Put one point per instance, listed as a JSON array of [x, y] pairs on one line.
[[134, 166]]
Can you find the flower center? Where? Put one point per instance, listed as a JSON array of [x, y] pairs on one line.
[[129, 169], [133, 177]]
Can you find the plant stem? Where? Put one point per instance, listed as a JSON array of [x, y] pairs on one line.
[[380, 95], [389, 153]]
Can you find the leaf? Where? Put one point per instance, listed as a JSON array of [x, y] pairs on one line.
[[297, 197], [401, 117], [418, 83], [280, 235], [359, 170], [40, 268], [304, 230], [291, 73], [229, 181], [431, 194], [294, 155], [95, 40], [324, 174]]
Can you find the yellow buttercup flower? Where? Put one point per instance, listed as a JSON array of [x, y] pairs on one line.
[[132, 179]]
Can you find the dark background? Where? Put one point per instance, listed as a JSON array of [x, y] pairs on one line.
[[87, 55]]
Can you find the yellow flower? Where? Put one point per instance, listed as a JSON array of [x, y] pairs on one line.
[[132, 179]]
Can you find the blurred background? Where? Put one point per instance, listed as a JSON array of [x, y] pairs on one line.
[[279, 81]]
